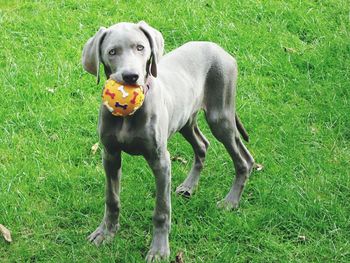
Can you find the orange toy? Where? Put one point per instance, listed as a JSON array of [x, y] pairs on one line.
[[120, 99]]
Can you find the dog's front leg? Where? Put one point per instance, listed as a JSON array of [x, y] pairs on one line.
[[110, 222], [161, 167]]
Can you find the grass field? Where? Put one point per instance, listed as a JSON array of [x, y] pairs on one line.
[[293, 97]]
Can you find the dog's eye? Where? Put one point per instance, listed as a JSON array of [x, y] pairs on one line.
[[139, 47], [112, 52]]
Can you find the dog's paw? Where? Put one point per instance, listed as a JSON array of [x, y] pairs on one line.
[[158, 255], [101, 235], [185, 191], [227, 205]]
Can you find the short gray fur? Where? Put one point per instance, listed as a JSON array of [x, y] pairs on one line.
[[196, 76]]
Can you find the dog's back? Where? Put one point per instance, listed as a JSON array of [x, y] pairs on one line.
[[197, 75]]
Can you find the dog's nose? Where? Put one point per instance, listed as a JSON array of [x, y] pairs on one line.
[[130, 78]]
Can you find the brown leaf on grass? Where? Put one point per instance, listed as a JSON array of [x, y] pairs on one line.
[[179, 257], [302, 238], [50, 90], [179, 159], [94, 148], [289, 50], [313, 130], [54, 137], [5, 233], [258, 167]]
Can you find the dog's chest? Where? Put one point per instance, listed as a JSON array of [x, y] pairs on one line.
[[130, 140], [129, 135]]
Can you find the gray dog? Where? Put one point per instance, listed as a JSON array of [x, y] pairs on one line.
[[195, 76]]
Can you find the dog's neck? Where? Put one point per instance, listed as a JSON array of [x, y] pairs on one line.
[[148, 84]]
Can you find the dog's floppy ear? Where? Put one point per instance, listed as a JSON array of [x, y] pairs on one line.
[[156, 42], [91, 53]]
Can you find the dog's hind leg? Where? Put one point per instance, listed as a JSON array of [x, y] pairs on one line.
[[200, 145], [223, 126]]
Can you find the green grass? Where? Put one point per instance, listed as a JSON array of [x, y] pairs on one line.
[[293, 97]]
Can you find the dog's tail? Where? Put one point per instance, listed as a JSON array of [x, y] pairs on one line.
[[241, 129]]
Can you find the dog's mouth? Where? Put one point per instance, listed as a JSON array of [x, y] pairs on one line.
[[142, 80], [128, 83]]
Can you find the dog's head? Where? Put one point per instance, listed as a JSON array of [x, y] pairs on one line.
[[128, 52]]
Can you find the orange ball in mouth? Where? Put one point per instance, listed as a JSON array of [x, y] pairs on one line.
[[122, 99]]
